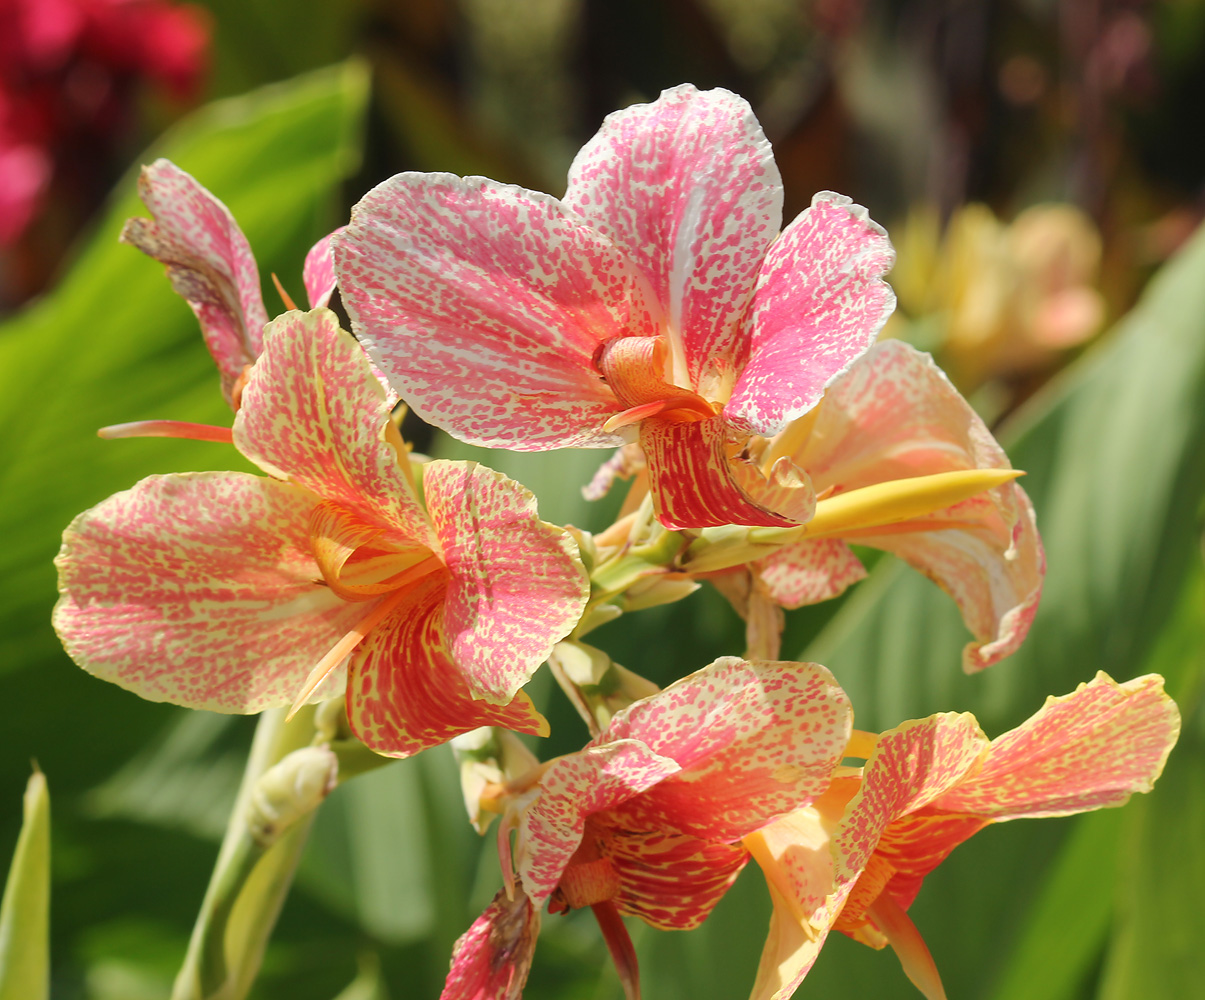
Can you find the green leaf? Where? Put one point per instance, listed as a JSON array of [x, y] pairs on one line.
[[25, 910]]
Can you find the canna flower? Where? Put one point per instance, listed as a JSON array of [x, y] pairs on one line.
[[856, 858], [647, 819], [656, 302], [236, 593], [210, 264], [895, 416]]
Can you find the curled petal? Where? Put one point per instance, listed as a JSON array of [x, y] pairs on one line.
[[208, 261], [405, 693], [755, 740], [199, 590], [810, 571], [483, 304], [318, 274], [516, 583], [314, 413], [819, 304], [687, 186], [490, 961], [695, 484]]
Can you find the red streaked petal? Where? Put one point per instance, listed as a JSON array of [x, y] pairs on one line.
[[199, 590], [810, 571], [484, 304], [1089, 749], [208, 261], [318, 274], [490, 961], [696, 485], [619, 944], [517, 585], [755, 740], [314, 413], [687, 186], [820, 302], [405, 693], [572, 789]]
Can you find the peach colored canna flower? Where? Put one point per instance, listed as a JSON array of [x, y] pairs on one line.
[[894, 416], [855, 859], [235, 592], [656, 302], [647, 819]]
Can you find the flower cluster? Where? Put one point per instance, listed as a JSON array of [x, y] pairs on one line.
[[656, 308]]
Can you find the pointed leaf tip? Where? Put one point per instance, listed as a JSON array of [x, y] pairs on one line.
[[25, 910]]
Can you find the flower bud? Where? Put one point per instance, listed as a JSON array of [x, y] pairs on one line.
[[288, 790]]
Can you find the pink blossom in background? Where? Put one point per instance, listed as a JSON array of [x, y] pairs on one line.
[[656, 302]]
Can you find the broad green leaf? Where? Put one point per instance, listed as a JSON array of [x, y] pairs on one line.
[[25, 909]]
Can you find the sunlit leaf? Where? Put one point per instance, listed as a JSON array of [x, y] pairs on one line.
[[25, 909]]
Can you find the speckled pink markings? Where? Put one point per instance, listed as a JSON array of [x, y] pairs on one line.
[[224, 590], [504, 315], [491, 959]]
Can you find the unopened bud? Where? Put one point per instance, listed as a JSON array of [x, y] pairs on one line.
[[488, 758], [290, 789], [657, 590], [597, 685]]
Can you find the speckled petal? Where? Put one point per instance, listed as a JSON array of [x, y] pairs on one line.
[[490, 961], [516, 583], [895, 415], [208, 261], [404, 692], [670, 881], [314, 413], [755, 740], [810, 571], [199, 590], [688, 187], [819, 304], [1086, 750], [696, 485], [573, 788], [483, 304], [319, 272]]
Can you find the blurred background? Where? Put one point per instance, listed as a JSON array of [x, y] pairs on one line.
[[1040, 165]]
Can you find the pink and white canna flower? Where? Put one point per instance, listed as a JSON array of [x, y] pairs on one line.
[[236, 593], [895, 416], [657, 301], [647, 819], [856, 858], [210, 264]]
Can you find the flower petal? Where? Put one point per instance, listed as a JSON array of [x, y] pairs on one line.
[[687, 186], [517, 585], [810, 571], [572, 789], [405, 693], [820, 302], [894, 415], [199, 590], [1086, 750], [208, 261], [483, 304], [490, 961], [755, 740], [318, 273], [695, 484], [314, 413]]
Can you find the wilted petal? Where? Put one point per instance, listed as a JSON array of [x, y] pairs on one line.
[[199, 590], [572, 789], [893, 416], [1086, 750], [484, 304], [405, 693], [319, 272], [819, 304], [810, 571], [516, 583], [208, 261], [687, 186], [695, 484], [313, 413], [755, 740], [490, 961]]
